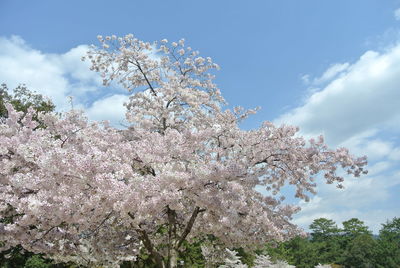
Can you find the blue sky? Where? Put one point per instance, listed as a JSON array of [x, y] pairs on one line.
[[331, 67]]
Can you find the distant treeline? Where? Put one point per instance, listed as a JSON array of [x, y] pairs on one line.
[[352, 246]]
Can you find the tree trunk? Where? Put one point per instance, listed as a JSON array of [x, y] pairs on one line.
[[159, 261], [173, 260]]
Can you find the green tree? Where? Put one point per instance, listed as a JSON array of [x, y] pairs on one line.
[[37, 262], [302, 252], [299, 251], [276, 250], [361, 252], [323, 229], [389, 244], [358, 246], [391, 231], [22, 98], [14, 257], [325, 237], [355, 227]]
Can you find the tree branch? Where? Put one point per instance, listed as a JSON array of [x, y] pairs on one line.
[[171, 229], [145, 76], [143, 236], [102, 222], [150, 248], [189, 226], [45, 233]]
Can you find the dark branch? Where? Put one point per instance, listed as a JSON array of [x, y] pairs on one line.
[[189, 226], [73, 132], [45, 233], [145, 76], [150, 248], [170, 101], [102, 222]]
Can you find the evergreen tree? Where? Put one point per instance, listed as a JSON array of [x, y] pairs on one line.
[[361, 252], [325, 237], [355, 227], [322, 229], [389, 244], [22, 98]]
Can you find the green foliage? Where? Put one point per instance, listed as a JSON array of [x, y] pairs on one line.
[[391, 231], [389, 244], [328, 251], [352, 246], [36, 262], [323, 229], [276, 250], [326, 239], [21, 99], [302, 252], [354, 227], [14, 257], [192, 257], [245, 256], [361, 252]]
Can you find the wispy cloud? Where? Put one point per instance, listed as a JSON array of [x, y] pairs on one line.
[[397, 14], [370, 199], [332, 72], [109, 108]]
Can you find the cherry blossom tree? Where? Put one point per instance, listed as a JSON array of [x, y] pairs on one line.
[[89, 193], [261, 261], [232, 260]]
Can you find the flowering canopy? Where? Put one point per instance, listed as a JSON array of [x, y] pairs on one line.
[[96, 195]]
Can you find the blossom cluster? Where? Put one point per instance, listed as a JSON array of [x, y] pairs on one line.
[[231, 260]]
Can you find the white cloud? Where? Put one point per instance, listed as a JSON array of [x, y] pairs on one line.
[[369, 143], [395, 154], [35, 69], [369, 199], [110, 108], [397, 14], [332, 72], [358, 108], [366, 96], [305, 78], [59, 76]]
